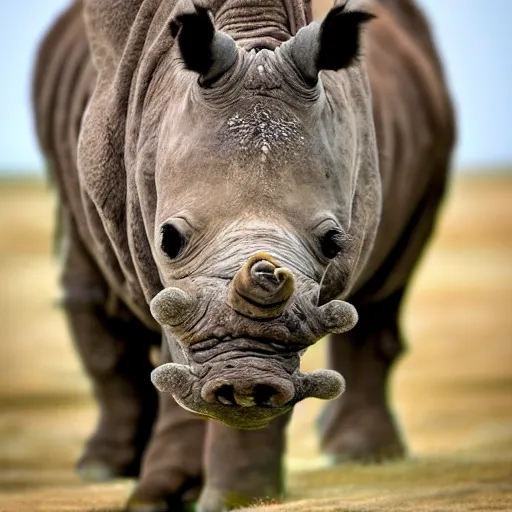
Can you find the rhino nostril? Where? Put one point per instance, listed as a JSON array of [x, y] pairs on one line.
[[263, 394], [225, 395]]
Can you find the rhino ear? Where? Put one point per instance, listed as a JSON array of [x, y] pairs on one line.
[[331, 45], [203, 49]]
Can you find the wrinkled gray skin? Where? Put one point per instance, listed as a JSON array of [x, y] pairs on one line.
[[253, 160]]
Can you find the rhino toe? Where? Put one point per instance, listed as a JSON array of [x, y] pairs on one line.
[[366, 435], [214, 500], [100, 471], [168, 505]]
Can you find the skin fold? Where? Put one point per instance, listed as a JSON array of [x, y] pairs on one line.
[[234, 184]]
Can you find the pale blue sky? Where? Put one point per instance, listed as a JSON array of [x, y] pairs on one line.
[[475, 38]]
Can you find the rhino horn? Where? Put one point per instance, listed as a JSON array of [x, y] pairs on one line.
[[262, 288], [337, 316], [322, 384], [331, 45], [173, 378], [172, 306], [204, 50]]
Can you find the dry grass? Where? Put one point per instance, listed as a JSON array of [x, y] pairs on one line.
[[452, 390]]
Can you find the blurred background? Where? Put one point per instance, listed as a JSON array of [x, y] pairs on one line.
[[452, 391]]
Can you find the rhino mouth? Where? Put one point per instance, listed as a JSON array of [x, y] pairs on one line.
[[244, 389]]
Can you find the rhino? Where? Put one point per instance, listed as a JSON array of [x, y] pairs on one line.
[[235, 182]]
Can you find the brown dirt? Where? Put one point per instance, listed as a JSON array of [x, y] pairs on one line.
[[452, 390]]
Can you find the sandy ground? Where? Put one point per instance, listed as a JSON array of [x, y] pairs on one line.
[[452, 391]]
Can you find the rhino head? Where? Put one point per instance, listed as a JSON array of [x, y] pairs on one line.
[[267, 201]]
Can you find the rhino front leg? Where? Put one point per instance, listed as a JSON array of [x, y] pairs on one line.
[[359, 425], [114, 348], [172, 469], [243, 467]]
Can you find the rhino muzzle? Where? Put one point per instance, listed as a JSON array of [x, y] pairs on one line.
[[247, 397]]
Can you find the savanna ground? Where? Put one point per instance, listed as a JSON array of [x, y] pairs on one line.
[[452, 390]]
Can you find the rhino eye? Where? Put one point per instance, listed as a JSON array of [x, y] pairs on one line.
[[173, 242], [331, 243]]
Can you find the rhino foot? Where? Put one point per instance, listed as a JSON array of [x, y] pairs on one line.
[[171, 503], [108, 462], [169, 491], [172, 492], [364, 435], [214, 500], [98, 471]]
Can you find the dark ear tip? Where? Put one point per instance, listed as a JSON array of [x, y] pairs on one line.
[[202, 11], [362, 16], [335, 10], [174, 26], [200, 14], [359, 16], [203, 50]]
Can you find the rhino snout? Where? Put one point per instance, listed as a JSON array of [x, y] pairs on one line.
[[262, 288], [267, 392], [248, 396]]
